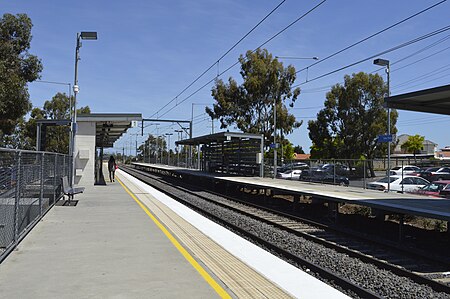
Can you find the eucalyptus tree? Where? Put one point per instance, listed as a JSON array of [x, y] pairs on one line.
[[351, 120], [17, 68], [249, 106], [56, 137]]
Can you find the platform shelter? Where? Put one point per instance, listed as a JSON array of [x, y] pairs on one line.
[[229, 152], [95, 132]]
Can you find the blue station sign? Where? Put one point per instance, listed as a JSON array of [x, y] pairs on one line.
[[385, 138]]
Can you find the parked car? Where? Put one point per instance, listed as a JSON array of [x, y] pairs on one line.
[[405, 170], [434, 188], [290, 174], [293, 165], [445, 192], [334, 168], [436, 174], [320, 176], [409, 183]]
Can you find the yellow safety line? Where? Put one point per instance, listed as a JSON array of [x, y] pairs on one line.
[[219, 290]]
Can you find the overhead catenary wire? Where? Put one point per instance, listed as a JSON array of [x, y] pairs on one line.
[[327, 87], [371, 36], [424, 82], [237, 62], [292, 23], [220, 58], [426, 75], [410, 42]]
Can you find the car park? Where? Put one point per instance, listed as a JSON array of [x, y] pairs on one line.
[[320, 176], [404, 170], [290, 174], [398, 183], [436, 173], [434, 188]]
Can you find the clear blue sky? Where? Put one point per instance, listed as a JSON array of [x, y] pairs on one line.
[[147, 52]]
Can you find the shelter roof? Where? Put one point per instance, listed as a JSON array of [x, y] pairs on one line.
[[218, 137], [109, 126], [433, 100]]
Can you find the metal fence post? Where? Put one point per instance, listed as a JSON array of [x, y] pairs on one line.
[[54, 178], [334, 171], [64, 166], [364, 176], [41, 178], [17, 197]]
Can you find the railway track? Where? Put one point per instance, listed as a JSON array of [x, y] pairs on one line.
[[427, 276]]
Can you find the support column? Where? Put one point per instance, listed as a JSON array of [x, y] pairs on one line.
[[296, 201], [333, 211], [401, 228]]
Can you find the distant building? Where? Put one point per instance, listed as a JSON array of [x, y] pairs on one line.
[[301, 156], [429, 147], [443, 154]]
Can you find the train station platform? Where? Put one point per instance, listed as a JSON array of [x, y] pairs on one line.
[[127, 240], [407, 204]]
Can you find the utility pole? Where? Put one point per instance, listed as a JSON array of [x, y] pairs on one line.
[[179, 132], [275, 137], [168, 147]]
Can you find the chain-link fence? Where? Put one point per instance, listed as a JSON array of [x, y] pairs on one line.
[[356, 173], [348, 172], [30, 183]]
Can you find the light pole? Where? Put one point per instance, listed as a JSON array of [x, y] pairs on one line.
[[168, 147], [136, 145], [161, 137], [384, 62], [80, 36], [179, 133], [191, 131]]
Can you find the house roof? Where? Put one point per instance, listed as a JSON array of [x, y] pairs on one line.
[[301, 156]]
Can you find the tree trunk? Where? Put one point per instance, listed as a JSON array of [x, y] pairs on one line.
[[370, 166]]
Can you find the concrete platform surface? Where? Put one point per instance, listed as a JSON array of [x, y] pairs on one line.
[[105, 247], [408, 204]]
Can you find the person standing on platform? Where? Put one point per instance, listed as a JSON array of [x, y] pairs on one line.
[[111, 168]]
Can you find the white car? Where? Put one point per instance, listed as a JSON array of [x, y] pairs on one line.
[[406, 170], [291, 174], [410, 183]]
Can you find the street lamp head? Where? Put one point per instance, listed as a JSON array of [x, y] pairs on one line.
[[89, 35], [381, 62]]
